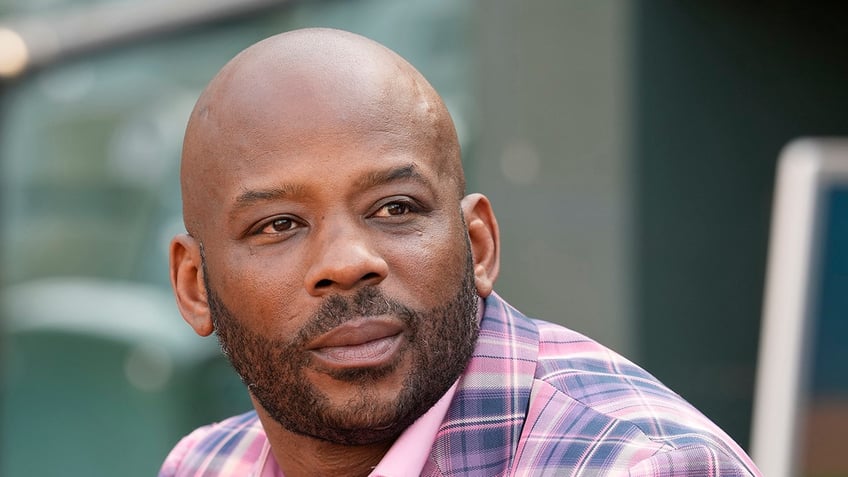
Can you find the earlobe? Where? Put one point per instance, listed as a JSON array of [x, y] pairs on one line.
[[187, 281], [485, 241]]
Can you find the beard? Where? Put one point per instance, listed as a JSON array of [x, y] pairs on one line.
[[439, 344]]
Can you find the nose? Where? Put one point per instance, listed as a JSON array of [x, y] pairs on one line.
[[343, 260]]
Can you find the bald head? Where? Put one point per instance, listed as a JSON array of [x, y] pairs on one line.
[[305, 88]]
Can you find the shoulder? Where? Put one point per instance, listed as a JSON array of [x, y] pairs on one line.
[[618, 415], [600, 379], [591, 408], [229, 447]]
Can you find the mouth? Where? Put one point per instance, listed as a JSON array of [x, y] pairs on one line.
[[360, 343]]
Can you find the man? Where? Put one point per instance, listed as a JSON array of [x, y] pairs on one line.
[[349, 280]]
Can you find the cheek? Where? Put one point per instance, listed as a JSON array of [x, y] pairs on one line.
[[430, 267], [259, 290]]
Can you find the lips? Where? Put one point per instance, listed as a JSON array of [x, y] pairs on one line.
[[362, 342]]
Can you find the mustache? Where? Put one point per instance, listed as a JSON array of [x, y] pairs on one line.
[[337, 310]]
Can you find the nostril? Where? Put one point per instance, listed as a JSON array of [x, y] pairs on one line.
[[346, 283]]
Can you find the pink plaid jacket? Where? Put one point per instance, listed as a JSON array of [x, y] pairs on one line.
[[536, 399]]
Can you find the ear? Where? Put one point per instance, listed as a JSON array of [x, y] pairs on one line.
[[485, 241], [187, 281]]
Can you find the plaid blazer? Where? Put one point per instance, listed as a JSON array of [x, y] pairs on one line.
[[536, 399]]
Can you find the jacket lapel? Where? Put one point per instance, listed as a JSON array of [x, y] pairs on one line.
[[480, 432]]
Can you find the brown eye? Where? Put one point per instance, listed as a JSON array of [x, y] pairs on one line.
[[400, 208], [394, 209], [397, 208], [281, 225]]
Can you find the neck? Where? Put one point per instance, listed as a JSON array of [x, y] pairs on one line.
[[298, 455]]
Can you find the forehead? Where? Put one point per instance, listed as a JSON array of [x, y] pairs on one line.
[[351, 159], [276, 125], [319, 140], [379, 106]]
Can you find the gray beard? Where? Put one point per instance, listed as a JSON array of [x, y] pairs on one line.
[[440, 343]]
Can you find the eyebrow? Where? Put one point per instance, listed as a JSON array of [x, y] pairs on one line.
[[288, 191], [250, 197], [395, 174]]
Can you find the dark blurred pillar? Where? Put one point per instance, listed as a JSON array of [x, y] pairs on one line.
[[719, 88]]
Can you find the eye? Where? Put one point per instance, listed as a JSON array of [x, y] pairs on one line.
[[394, 209], [277, 225]]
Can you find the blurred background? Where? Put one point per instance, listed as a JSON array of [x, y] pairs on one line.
[[629, 149]]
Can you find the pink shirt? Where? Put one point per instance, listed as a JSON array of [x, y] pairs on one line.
[[407, 456]]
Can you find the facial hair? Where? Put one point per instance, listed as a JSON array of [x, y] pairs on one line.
[[439, 344]]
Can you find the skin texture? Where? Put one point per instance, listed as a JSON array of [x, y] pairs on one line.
[[322, 191]]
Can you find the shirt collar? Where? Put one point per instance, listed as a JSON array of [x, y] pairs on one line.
[[410, 451], [406, 457]]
